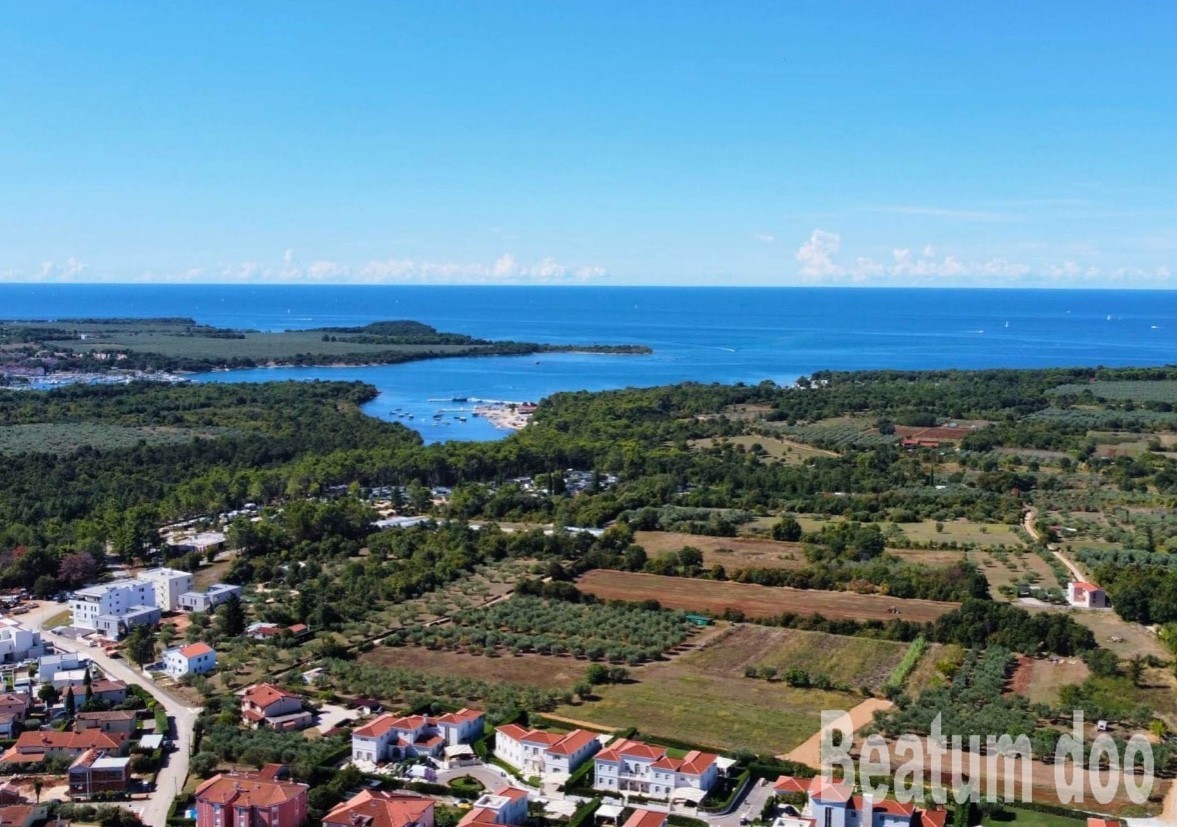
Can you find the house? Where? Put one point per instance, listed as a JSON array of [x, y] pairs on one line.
[[15, 704], [256, 799], [110, 599], [96, 773], [201, 542], [1104, 822], [113, 720], [267, 706], [168, 585], [1085, 595], [49, 665], [108, 692], [535, 752], [272, 631], [8, 725], [35, 747], [18, 643], [68, 677], [645, 769], [209, 599], [23, 815], [394, 738], [833, 804], [507, 805], [641, 817], [376, 808], [193, 659]]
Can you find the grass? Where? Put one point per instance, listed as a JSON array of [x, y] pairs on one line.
[[730, 552], [543, 671], [68, 437], [775, 449], [852, 661], [902, 670], [1030, 818], [60, 619], [754, 600], [1041, 679], [985, 535]]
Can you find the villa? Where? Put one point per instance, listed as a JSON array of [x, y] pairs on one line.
[[834, 804], [377, 808], [647, 770], [535, 752], [394, 738]]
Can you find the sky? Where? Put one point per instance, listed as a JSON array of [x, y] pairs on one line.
[[663, 143]]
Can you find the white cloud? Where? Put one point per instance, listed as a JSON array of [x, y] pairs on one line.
[[70, 270], [817, 254]]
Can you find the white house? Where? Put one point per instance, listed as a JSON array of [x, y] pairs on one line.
[[266, 705], [193, 659], [834, 804], [1085, 595], [50, 665], [18, 643], [535, 752], [115, 626], [114, 599], [207, 600], [168, 584], [506, 805], [393, 738], [636, 767]]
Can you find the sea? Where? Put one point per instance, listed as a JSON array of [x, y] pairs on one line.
[[703, 334]]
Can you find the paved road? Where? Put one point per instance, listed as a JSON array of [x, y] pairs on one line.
[[170, 781]]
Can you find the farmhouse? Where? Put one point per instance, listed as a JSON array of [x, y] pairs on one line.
[[377, 808], [535, 752], [1086, 595], [645, 769], [393, 738], [193, 659], [507, 805], [259, 798], [265, 706]]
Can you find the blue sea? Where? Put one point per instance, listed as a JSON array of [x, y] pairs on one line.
[[702, 334]]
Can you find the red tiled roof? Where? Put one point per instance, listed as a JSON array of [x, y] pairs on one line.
[[98, 687], [1083, 586], [195, 650], [248, 790], [16, 814], [573, 742], [513, 793], [461, 716], [379, 809], [87, 739], [479, 815], [930, 818], [1104, 822], [829, 790], [631, 750], [264, 694], [884, 805], [646, 818], [788, 784]]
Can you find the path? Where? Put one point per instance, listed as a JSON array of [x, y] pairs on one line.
[[1028, 524], [809, 753]]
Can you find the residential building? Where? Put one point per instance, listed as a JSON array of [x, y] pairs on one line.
[[67, 677], [111, 720], [15, 704], [834, 804], [645, 769], [251, 799], [207, 600], [110, 692], [193, 659], [535, 752], [1085, 595], [18, 643], [35, 747], [49, 665], [642, 817], [168, 584], [394, 738], [23, 815], [117, 626], [113, 599], [8, 725], [507, 805], [96, 773], [267, 706], [377, 808]]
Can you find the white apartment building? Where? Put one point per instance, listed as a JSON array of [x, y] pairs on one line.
[[535, 752], [169, 584], [18, 643], [115, 598]]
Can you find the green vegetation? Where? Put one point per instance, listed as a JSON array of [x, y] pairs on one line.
[[905, 667]]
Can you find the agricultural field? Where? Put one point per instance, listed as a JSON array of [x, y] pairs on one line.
[[838, 433], [849, 661], [775, 448], [755, 601], [730, 552], [684, 699], [543, 671], [962, 532], [1040, 679], [531, 625], [68, 437], [1120, 391], [1011, 568]]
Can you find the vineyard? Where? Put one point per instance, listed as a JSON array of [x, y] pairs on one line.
[[835, 434], [621, 634]]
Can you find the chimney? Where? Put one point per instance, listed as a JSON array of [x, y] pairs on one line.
[[868, 810]]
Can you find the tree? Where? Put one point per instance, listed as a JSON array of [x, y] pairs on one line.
[[141, 645], [597, 673], [231, 617], [70, 703], [47, 694], [787, 529], [77, 569]]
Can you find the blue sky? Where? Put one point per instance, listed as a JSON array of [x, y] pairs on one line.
[[615, 143]]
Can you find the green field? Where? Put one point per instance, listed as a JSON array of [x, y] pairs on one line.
[[67, 437], [1160, 390]]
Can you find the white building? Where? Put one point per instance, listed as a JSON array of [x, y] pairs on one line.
[[1085, 595], [115, 598], [117, 626], [535, 752], [833, 804], [50, 665], [394, 738], [205, 601], [18, 643], [193, 659], [645, 769], [506, 805], [169, 584]]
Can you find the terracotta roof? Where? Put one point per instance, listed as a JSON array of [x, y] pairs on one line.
[[379, 809], [88, 739], [573, 742], [462, 716], [646, 818], [98, 687], [788, 784], [264, 694], [479, 815], [248, 790], [108, 715], [513, 793], [930, 818], [631, 750], [297, 629], [884, 805], [16, 814], [829, 790], [388, 722], [514, 731], [195, 650], [1084, 586], [1104, 822]]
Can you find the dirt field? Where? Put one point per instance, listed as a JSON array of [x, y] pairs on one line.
[[753, 600], [852, 661], [775, 448], [1026, 567], [1040, 679], [962, 531], [730, 552], [532, 670], [1134, 638]]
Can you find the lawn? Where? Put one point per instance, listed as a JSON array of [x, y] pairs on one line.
[[754, 600], [1028, 818]]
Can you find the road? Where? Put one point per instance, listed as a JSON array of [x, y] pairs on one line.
[[170, 781], [1028, 524]]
